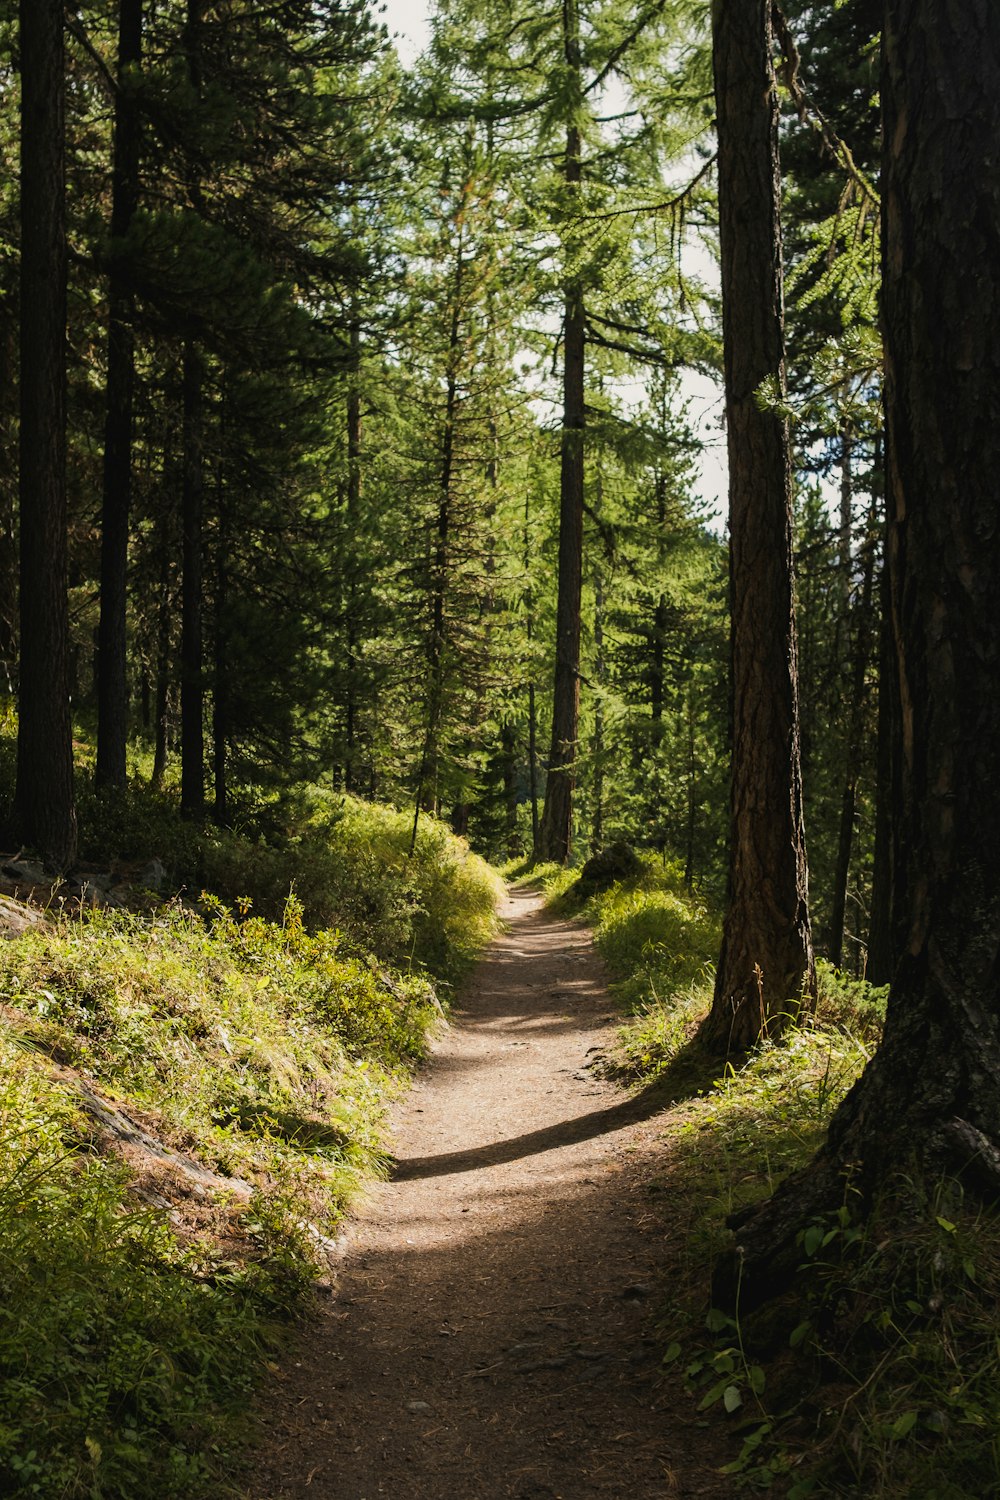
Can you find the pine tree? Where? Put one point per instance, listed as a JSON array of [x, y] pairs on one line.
[[44, 813], [766, 956]]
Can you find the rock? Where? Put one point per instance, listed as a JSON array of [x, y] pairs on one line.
[[153, 877], [92, 892], [16, 918], [618, 861], [27, 872], [418, 1406], [636, 1292]]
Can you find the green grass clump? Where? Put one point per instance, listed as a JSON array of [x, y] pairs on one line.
[[122, 1348], [348, 861], [261, 1033], [262, 1047], [130, 1335]]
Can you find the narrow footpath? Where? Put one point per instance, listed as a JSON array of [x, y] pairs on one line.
[[488, 1334]]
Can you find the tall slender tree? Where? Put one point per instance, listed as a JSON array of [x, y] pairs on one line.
[[44, 811], [555, 835], [766, 953], [112, 690]]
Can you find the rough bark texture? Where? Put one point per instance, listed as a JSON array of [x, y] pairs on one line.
[[112, 690], [766, 949], [929, 1100], [44, 815]]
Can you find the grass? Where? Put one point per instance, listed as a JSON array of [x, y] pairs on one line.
[[878, 1373], [260, 1026]]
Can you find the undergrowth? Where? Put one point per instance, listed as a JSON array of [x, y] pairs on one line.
[[878, 1373], [258, 1023]]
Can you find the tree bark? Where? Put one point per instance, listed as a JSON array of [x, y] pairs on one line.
[[928, 1102], [354, 435], [192, 589], [220, 664], [44, 815], [112, 690], [883, 948], [555, 834], [766, 956], [529, 627], [427, 775], [597, 809], [857, 709], [192, 509]]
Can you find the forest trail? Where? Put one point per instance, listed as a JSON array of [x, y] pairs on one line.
[[488, 1334]]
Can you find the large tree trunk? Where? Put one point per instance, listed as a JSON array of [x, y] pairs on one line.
[[112, 692], [929, 1101], [766, 956], [44, 813]]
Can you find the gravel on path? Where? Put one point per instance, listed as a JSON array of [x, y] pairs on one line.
[[489, 1332]]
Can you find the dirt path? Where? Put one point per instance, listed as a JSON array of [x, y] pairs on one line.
[[488, 1334]]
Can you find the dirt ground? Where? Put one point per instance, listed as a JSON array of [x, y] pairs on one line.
[[489, 1333]]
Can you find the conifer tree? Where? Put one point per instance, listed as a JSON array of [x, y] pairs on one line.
[[44, 812], [112, 688], [766, 956]]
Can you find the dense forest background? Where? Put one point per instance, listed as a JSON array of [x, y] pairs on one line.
[[334, 326]]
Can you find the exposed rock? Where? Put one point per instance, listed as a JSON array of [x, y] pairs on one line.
[[123, 1128], [618, 861], [17, 919], [153, 877], [26, 872], [93, 891]]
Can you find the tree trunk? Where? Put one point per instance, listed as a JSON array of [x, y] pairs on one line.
[[766, 956], [508, 752], [852, 755], [44, 815], [112, 691], [8, 513], [597, 813], [192, 520], [428, 772], [928, 1103], [883, 948], [220, 674], [555, 834], [529, 628], [164, 621], [354, 434]]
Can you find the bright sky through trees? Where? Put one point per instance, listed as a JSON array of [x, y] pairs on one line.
[[407, 23]]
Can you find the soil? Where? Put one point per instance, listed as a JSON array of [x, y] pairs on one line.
[[491, 1330]]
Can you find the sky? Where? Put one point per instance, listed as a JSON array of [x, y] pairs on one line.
[[408, 26]]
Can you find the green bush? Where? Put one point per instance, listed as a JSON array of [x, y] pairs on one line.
[[121, 1349]]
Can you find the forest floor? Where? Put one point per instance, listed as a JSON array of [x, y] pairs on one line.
[[491, 1328]]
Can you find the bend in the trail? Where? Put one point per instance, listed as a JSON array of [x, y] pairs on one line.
[[488, 1336]]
